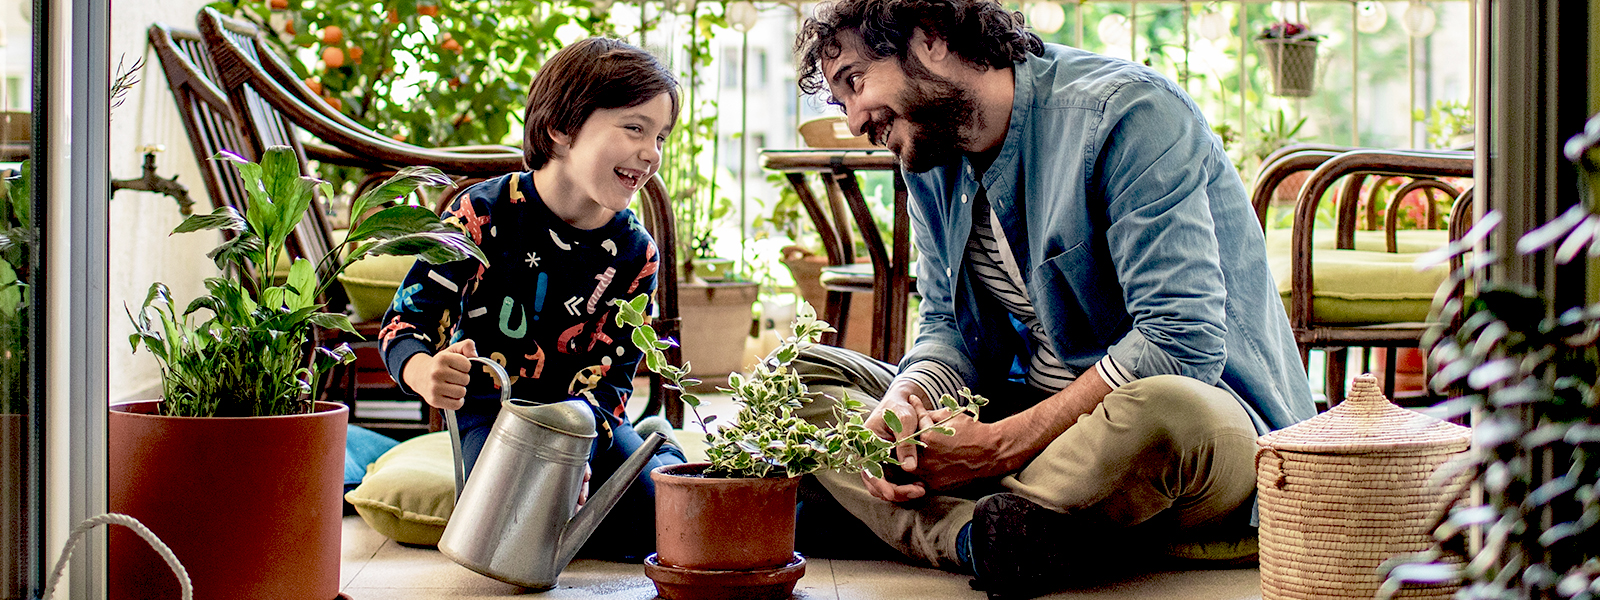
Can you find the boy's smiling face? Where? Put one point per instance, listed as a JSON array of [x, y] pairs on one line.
[[601, 166]]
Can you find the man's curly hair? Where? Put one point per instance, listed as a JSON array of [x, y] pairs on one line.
[[981, 32]]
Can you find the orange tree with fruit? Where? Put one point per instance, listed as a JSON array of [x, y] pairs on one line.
[[427, 72]]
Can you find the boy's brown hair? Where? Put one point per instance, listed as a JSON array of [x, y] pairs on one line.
[[588, 75]]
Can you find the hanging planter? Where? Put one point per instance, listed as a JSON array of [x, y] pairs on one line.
[[1289, 52]]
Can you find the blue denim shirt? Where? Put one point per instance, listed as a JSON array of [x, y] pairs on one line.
[[1132, 230]]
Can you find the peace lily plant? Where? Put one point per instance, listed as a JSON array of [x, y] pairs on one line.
[[766, 439], [249, 358]]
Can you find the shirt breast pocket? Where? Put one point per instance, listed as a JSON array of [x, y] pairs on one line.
[[1080, 300]]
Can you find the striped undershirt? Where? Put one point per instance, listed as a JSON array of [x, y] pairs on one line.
[[994, 268]]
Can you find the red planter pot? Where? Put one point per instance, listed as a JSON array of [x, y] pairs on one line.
[[250, 506], [723, 538]]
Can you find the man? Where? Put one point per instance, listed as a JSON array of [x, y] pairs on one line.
[[1089, 262]]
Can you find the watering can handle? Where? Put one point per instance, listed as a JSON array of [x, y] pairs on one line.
[[455, 430]]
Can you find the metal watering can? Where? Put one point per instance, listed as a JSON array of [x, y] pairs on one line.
[[515, 520]]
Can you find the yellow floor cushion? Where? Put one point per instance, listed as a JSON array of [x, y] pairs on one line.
[[409, 492], [1365, 285], [371, 283]]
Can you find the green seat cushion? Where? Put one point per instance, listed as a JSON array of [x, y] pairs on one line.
[[1366, 285], [371, 283], [1407, 241], [409, 492]]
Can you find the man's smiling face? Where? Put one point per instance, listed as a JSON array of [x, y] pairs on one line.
[[900, 105]]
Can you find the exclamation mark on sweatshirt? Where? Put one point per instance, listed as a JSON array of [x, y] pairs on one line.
[[538, 295]]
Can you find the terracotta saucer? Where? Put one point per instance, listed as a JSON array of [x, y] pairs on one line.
[[673, 583]]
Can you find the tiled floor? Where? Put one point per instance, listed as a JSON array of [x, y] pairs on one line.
[[376, 568]]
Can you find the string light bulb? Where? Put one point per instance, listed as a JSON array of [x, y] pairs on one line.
[[1212, 25], [1047, 16], [1113, 30], [1371, 17], [1418, 20], [742, 16]]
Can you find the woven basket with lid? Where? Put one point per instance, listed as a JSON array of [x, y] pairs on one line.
[[1347, 489]]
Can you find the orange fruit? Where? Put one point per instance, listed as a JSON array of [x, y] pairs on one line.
[[449, 43], [334, 102], [314, 85], [430, 10], [333, 57], [398, 137], [332, 34], [355, 53], [455, 83], [288, 26], [280, 4], [394, 16]]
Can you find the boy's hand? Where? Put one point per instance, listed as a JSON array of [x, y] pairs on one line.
[[442, 379]]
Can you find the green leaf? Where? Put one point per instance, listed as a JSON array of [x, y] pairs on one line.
[[892, 420], [225, 217], [436, 247], [302, 285], [403, 182], [236, 251], [327, 320], [949, 403], [289, 191], [396, 221]]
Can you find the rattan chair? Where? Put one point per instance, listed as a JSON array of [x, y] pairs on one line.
[[1314, 322]]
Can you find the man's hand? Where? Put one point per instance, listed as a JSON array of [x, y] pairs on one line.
[[904, 400], [976, 451], [442, 379]]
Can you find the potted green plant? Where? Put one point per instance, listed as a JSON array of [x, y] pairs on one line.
[[1289, 51], [725, 527], [236, 468]]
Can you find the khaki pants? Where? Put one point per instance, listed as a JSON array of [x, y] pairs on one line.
[[1168, 455]]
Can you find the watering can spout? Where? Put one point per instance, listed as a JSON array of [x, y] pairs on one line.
[[601, 502]]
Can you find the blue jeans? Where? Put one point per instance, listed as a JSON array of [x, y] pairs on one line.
[[628, 533]]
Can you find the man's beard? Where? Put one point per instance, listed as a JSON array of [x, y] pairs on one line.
[[937, 110]]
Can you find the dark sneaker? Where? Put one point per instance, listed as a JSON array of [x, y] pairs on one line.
[[1023, 550]]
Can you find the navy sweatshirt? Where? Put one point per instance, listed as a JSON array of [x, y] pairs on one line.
[[542, 308]]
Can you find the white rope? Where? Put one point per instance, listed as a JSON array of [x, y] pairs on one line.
[[130, 523]]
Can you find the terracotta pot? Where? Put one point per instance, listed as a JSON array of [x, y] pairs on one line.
[[250, 505], [806, 268], [716, 320], [1409, 375], [717, 523]]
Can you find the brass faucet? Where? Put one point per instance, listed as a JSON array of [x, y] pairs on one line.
[[150, 182]]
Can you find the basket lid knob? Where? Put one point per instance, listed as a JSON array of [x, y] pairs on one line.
[[1367, 422]]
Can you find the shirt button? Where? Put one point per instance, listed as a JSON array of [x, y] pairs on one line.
[[963, 198]]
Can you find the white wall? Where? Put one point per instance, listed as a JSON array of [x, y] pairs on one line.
[[141, 250]]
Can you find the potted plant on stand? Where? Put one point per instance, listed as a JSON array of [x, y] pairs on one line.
[[1289, 51], [725, 528], [236, 468]]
